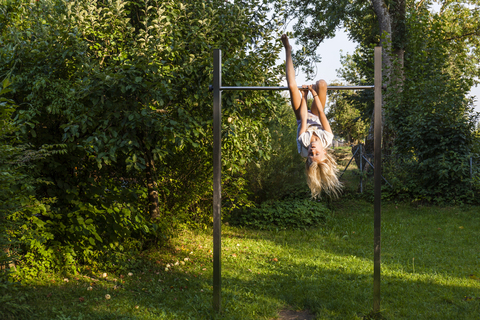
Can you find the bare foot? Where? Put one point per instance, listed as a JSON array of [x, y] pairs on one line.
[[285, 42]]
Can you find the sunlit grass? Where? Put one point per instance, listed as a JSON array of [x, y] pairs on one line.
[[430, 270], [430, 265]]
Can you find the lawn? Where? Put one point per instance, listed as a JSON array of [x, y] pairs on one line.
[[430, 270], [430, 265]]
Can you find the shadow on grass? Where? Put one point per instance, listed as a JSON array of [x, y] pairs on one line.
[[329, 294], [328, 270], [438, 288]]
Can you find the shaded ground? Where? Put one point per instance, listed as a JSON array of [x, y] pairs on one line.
[[429, 271], [296, 315]]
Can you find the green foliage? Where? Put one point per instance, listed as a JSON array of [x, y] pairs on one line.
[[282, 174], [123, 85], [358, 69], [19, 210], [429, 271], [290, 214], [432, 119], [14, 186], [475, 160], [13, 303], [429, 121], [55, 241], [15, 189], [7, 179], [320, 20], [346, 117]]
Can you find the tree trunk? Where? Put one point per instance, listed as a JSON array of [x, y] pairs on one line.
[[393, 49], [399, 39]]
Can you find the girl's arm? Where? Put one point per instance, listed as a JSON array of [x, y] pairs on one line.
[[303, 112], [321, 114]]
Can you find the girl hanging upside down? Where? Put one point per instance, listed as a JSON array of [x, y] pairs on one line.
[[314, 134]]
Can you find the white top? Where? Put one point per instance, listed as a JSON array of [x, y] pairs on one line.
[[313, 126]]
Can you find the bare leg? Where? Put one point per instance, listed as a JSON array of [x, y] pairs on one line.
[[299, 104], [321, 89]]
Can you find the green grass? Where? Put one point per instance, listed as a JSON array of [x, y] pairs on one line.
[[428, 257], [430, 270]]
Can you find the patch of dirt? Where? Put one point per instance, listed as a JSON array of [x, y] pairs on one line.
[[286, 314]]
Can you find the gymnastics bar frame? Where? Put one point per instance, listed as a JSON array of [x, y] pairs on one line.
[[217, 89]]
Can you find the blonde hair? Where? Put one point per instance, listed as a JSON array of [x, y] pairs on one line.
[[323, 176]]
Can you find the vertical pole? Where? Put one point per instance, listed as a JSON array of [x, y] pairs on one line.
[[361, 168], [378, 178], [217, 177]]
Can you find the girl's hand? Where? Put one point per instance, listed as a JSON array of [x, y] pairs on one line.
[[304, 91], [310, 88]]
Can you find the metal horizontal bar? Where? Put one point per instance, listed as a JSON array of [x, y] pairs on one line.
[[286, 88]]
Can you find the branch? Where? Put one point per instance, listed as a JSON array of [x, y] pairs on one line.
[[419, 4], [476, 32]]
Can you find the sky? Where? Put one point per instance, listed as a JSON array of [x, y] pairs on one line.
[[330, 52]]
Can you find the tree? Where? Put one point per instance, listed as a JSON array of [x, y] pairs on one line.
[[433, 120], [428, 55], [382, 22], [377, 22], [124, 84], [347, 121]]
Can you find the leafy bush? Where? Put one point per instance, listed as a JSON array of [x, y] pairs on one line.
[[291, 214], [476, 160], [344, 113], [15, 190], [124, 85], [432, 119], [16, 186], [9, 177]]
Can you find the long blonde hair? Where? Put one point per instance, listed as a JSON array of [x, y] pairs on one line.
[[323, 176]]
